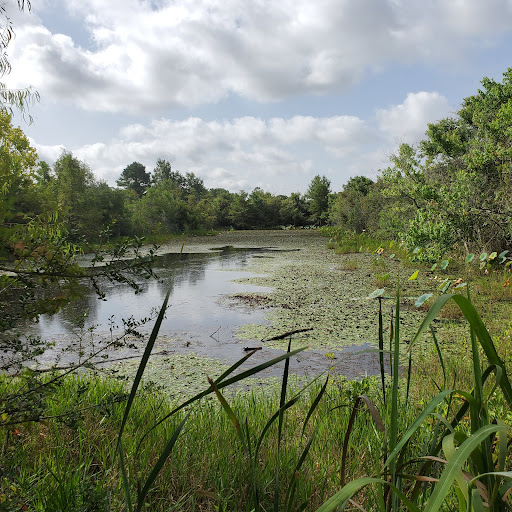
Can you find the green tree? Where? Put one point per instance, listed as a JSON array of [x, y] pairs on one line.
[[359, 184], [318, 199], [162, 171], [135, 177], [294, 210], [194, 185], [73, 186], [458, 180], [350, 208], [162, 209], [239, 211], [17, 168], [220, 200]]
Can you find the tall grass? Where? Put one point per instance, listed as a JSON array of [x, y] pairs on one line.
[[464, 464], [326, 445]]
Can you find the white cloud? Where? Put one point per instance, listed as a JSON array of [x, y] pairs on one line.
[[147, 56], [278, 155], [408, 121]]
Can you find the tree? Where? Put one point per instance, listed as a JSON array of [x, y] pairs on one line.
[[220, 200], [350, 208], [162, 171], [318, 199], [359, 184], [17, 167], [294, 210], [135, 177], [458, 180], [194, 185], [239, 211], [73, 184]]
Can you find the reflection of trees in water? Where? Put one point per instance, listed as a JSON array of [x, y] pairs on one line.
[[80, 311], [183, 268], [172, 270]]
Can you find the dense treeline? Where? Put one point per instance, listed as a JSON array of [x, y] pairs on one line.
[[163, 201], [452, 189]]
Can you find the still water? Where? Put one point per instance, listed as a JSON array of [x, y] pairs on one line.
[[201, 318], [198, 283]]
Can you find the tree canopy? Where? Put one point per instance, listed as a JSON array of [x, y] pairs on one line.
[[134, 177], [318, 198]]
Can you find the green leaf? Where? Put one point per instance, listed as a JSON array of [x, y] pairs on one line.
[[504, 253], [376, 293], [416, 425], [478, 326], [469, 258], [340, 499], [453, 468], [483, 256], [391, 256], [416, 250], [414, 276], [433, 267], [444, 264], [422, 298], [493, 255], [143, 363], [160, 463], [446, 285]]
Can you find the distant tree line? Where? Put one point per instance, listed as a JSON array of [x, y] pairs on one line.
[[453, 188], [163, 201]]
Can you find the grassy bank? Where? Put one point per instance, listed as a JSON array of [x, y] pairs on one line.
[[67, 461], [292, 448]]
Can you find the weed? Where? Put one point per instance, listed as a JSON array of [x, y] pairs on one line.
[[349, 264]]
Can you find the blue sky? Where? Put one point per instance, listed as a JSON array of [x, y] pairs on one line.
[[252, 93]]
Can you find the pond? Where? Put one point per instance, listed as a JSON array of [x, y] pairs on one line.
[[226, 294]]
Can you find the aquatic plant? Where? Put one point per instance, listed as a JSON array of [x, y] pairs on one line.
[[467, 446]]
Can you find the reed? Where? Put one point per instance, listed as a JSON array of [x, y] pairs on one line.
[[410, 439]]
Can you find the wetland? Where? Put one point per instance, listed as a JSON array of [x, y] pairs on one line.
[[235, 291]]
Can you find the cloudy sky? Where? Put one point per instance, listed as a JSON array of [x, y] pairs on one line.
[[250, 93]]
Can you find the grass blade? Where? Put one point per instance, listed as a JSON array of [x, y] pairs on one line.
[[290, 493], [126, 485], [282, 402], [393, 436], [454, 466], [350, 425], [417, 423], [143, 363], [381, 352], [229, 411], [440, 355], [221, 384], [316, 401], [480, 330], [340, 499], [160, 463]]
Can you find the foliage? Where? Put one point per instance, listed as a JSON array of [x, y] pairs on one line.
[[134, 177], [12, 99], [458, 178], [451, 190], [467, 441], [318, 198], [356, 207], [282, 455]]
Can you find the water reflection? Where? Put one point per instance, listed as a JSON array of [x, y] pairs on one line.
[[196, 282]]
